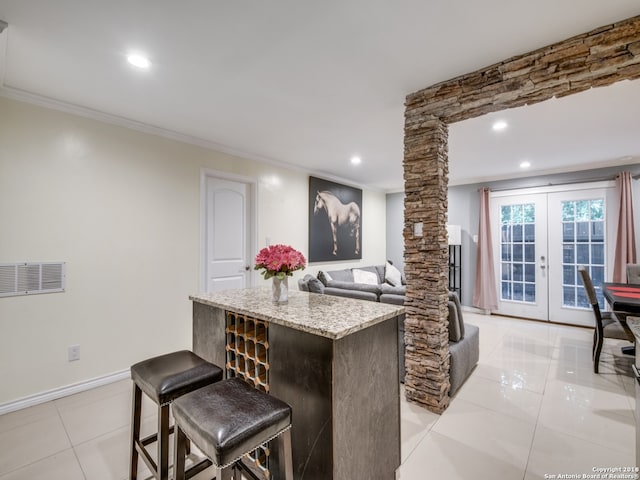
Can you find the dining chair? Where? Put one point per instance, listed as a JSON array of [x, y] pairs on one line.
[[607, 325], [633, 273]]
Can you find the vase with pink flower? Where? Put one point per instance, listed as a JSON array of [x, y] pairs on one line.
[[278, 262]]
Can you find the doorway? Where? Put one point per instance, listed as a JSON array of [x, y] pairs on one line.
[[540, 237], [228, 232]]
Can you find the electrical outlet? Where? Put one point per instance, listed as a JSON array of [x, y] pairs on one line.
[[74, 352]]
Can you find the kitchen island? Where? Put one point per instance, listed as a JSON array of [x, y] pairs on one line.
[[333, 359]]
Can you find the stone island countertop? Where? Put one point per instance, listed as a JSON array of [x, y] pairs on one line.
[[325, 315]]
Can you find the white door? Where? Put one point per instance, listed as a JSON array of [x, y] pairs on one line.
[[520, 251], [582, 232], [539, 241], [227, 234]]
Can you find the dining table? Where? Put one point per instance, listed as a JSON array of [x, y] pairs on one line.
[[623, 297]]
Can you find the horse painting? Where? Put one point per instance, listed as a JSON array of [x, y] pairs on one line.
[[339, 215]]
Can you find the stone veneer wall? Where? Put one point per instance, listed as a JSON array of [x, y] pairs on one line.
[[601, 57]]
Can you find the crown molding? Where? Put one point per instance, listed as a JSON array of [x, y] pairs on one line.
[[66, 107]]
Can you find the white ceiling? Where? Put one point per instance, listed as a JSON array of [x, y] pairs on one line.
[[312, 83]]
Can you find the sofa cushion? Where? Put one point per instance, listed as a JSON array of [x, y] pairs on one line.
[[392, 275], [385, 288], [303, 283], [343, 275], [362, 276], [357, 294], [392, 299], [455, 335], [360, 287]]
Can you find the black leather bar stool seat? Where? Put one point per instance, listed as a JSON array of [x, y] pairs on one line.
[[163, 379], [227, 420]]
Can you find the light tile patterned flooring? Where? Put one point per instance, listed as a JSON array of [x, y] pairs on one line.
[[531, 407]]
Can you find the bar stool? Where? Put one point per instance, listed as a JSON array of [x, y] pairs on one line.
[[163, 379], [227, 420]]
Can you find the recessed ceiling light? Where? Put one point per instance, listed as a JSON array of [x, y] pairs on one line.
[[499, 126], [138, 60], [355, 160], [525, 164]]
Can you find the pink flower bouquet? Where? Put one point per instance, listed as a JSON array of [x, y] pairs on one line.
[[279, 261]]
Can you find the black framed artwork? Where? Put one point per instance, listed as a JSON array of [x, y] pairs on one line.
[[335, 221]]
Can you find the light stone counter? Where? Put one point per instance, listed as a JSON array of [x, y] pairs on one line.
[[325, 315]]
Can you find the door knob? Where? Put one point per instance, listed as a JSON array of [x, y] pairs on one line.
[[247, 268]]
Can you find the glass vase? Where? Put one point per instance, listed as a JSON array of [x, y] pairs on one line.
[[280, 290]]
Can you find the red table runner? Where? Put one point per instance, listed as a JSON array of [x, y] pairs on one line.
[[625, 289]]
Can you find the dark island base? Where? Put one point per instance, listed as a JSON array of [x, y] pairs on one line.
[[345, 395]]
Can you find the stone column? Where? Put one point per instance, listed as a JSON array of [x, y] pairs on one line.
[[426, 259]]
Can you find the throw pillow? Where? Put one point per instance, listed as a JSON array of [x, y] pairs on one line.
[[455, 335], [362, 276], [392, 275], [324, 277], [315, 285]]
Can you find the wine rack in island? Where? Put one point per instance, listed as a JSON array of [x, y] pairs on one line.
[[247, 357]]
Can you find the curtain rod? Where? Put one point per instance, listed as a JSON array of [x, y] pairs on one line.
[[552, 184]]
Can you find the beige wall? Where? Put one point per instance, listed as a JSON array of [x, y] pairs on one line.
[[122, 209]]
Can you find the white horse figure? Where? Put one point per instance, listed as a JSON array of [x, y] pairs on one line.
[[339, 214]]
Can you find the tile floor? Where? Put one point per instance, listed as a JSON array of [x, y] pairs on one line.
[[531, 407]]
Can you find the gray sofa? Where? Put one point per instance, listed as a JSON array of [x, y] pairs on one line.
[[464, 338]]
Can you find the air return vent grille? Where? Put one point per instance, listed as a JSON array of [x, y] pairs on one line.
[[31, 278]]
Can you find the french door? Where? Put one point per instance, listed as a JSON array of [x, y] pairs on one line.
[[540, 239]]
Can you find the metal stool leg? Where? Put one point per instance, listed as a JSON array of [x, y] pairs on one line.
[[135, 431]]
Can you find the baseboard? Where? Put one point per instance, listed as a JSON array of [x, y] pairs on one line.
[[475, 310], [60, 392]]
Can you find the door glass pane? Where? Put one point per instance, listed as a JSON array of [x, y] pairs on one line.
[[506, 271], [568, 232], [506, 291], [582, 254], [568, 274], [597, 231], [517, 233], [529, 253], [568, 296], [530, 273], [529, 233], [517, 272], [518, 291], [517, 252], [568, 253], [529, 292], [568, 211], [583, 243], [506, 233], [597, 254]]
